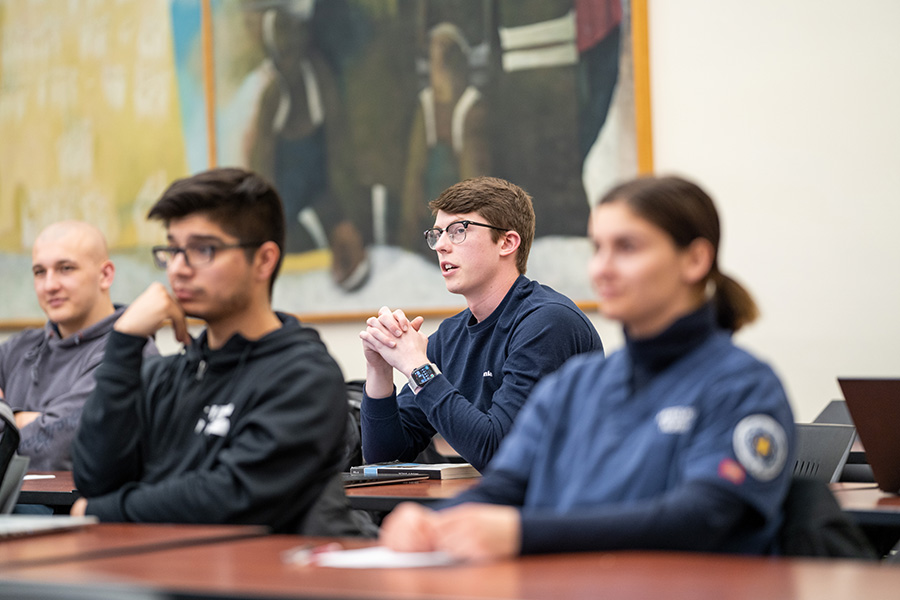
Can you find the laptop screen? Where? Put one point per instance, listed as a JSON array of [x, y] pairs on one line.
[[874, 405]]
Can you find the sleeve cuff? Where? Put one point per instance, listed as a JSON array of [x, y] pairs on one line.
[[125, 350], [106, 507]]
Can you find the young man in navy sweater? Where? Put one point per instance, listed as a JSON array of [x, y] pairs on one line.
[[468, 380]]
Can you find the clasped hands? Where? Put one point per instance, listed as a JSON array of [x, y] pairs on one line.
[[391, 341]]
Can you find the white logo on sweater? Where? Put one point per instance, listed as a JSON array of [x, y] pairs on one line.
[[676, 419], [216, 421], [487, 374]]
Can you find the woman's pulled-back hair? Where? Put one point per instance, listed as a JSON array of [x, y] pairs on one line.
[[686, 212]]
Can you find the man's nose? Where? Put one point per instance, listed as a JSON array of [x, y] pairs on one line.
[[442, 242], [179, 264], [50, 281]]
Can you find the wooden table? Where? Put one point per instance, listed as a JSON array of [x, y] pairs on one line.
[[59, 492], [112, 539], [876, 512], [254, 567], [864, 501], [868, 505], [386, 497], [56, 491]]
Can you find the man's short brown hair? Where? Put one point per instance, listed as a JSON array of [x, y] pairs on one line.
[[501, 204]]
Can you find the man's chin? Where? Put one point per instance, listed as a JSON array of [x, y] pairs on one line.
[[453, 288], [195, 313], [56, 315]]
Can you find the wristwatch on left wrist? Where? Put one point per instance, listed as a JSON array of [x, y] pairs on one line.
[[422, 375]]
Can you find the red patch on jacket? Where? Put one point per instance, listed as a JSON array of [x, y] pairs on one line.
[[730, 470]]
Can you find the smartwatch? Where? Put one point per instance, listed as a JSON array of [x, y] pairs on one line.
[[422, 375]]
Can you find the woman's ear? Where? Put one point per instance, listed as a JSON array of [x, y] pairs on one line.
[[697, 260]]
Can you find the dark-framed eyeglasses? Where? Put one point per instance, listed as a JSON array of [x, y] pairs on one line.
[[456, 231], [195, 255]]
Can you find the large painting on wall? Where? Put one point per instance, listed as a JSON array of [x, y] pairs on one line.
[[360, 112]]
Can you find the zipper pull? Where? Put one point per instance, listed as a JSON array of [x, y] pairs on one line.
[[201, 369]]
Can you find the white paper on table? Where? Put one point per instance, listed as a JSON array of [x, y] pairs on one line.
[[380, 557], [34, 476]]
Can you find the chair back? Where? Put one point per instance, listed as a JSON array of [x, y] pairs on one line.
[[814, 525]]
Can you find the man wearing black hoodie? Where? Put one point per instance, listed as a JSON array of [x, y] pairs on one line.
[[245, 426]]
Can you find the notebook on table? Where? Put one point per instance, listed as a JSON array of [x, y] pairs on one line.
[[874, 405], [454, 470]]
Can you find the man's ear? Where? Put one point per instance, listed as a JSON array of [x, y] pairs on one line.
[[266, 259], [509, 242], [107, 274], [697, 260]]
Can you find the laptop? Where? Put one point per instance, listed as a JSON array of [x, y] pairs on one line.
[[874, 405], [836, 412], [822, 450]]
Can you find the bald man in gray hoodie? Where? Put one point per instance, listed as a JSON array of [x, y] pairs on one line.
[[47, 374]]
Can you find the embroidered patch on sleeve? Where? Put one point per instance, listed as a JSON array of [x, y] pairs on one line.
[[760, 445]]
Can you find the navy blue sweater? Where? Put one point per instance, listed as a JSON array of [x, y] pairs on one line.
[[489, 368]]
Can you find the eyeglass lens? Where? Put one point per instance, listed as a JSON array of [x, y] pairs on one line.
[[193, 255], [455, 231]]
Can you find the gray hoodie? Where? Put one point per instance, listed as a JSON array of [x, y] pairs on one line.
[[41, 372]]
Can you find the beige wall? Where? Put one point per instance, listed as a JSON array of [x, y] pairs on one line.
[[788, 113]]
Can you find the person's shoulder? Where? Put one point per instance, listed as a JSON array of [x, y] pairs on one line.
[[578, 372], [586, 364], [539, 295], [296, 340], [26, 337], [542, 304], [14, 349], [732, 359], [732, 369], [296, 334]]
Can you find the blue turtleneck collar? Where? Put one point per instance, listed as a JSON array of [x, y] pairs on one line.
[[651, 356]]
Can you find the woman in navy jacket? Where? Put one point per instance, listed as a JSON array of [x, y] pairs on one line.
[[678, 441]]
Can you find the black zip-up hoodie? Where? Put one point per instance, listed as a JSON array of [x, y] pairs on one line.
[[251, 433]]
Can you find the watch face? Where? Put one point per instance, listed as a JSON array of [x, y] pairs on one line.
[[423, 374]]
